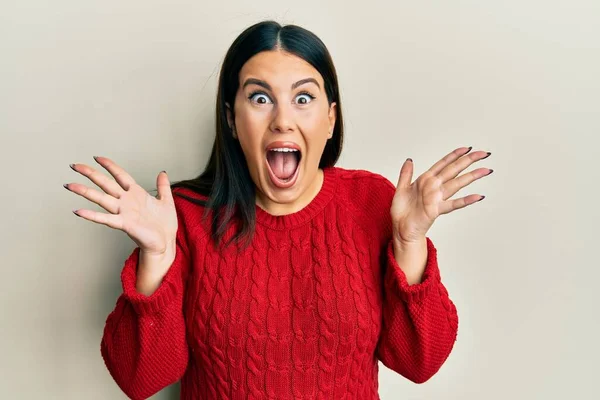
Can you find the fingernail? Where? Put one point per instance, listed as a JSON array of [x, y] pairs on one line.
[[75, 212], [470, 148], [72, 166], [482, 197], [66, 186], [164, 171], [409, 159], [95, 158], [491, 170], [488, 154]]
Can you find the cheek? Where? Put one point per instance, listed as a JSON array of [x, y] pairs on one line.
[[250, 143], [251, 127], [315, 126]]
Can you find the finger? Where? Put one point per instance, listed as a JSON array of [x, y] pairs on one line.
[[104, 200], [452, 170], [448, 158], [406, 173], [455, 204], [163, 186], [121, 176], [110, 220], [104, 182], [454, 185]]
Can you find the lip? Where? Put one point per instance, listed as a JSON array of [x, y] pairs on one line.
[[283, 144]]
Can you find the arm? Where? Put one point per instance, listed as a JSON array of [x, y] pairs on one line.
[[420, 321], [144, 345]]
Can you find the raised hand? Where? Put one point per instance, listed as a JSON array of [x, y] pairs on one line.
[[416, 206], [151, 222]]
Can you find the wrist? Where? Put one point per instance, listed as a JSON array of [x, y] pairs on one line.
[[411, 257], [403, 246], [152, 268]]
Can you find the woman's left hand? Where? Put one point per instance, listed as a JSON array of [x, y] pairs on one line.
[[416, 206]]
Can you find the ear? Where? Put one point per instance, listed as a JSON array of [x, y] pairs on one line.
[[230, 119], [229, 113], [332, 118]]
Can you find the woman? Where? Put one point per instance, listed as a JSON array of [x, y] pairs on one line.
[[275, 274]]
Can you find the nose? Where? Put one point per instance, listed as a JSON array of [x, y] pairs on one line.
[[283, 119]]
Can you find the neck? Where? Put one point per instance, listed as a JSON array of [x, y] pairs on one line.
[[302, 201]]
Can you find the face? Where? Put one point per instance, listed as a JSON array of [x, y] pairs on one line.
[[282, 119]]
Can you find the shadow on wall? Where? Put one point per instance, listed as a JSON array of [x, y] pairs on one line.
[[172, 392]]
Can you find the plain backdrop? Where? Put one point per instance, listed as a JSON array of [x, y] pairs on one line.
[[136, 81]]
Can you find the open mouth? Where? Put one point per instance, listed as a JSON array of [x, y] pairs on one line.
[[284, 165]]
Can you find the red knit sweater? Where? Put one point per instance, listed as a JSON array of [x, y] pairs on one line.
[[305, 312]]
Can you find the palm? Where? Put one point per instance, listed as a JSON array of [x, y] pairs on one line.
[[412, 212], [147, 220], [151, 222], [416, 205]]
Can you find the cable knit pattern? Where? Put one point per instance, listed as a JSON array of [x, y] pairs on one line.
[[305, 312]]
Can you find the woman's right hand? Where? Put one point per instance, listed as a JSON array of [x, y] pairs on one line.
[[151, 222]]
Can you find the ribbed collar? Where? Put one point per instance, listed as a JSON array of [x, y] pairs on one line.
[[297, 218]]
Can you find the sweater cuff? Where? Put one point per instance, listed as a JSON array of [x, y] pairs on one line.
[[162, 296], [396, 282]]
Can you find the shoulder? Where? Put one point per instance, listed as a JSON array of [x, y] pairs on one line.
[[188, 201], [182, 195], [190, 207], [367, 196], [365, 187]]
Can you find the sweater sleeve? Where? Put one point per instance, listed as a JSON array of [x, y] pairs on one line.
[[144, 344], [420, 322]]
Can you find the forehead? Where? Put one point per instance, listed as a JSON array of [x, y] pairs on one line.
[[278, 68]]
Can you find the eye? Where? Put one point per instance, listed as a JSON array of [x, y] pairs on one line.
[[259, 98], [304, 98]]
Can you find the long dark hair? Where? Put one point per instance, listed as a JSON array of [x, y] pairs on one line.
[[226, 181]]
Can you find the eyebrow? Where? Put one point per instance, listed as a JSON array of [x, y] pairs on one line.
[[259, 82]]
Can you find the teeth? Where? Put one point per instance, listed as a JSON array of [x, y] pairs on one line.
[[284, 150]]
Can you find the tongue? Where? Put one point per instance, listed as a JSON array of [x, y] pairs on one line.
[[283, 165]]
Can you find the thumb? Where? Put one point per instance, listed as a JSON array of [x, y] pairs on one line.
[[406, 173], [163, 186]]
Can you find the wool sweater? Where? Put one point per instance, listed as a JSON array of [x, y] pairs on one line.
[[305, 312]]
